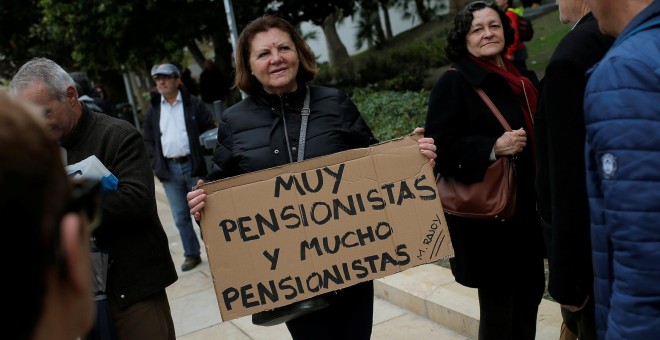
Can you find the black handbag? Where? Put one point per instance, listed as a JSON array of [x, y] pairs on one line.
[[289, 312]]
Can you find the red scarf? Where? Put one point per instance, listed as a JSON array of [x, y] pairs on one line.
[[523, 88]]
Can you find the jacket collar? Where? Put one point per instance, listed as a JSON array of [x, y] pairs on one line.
[[474, 74], [83, 126], [652, 11], [276, 101]]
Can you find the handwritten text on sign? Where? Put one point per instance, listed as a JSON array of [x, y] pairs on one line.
[[301, 233]]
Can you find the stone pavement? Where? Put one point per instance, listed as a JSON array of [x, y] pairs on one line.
[[420, 303]]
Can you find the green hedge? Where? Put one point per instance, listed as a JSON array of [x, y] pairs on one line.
[[391, 114]]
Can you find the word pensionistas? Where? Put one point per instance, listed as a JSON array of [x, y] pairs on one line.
[[320, 212]]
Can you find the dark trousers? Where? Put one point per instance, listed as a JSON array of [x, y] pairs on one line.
[[349, 316], [149, 319], [509, 312], [581, 323]]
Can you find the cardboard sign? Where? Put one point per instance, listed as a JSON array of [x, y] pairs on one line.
[[289, 233]]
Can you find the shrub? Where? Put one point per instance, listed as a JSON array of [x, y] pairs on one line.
[[401, 68], [391, 114]]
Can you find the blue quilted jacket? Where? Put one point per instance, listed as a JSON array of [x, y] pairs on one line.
[[622, 116]]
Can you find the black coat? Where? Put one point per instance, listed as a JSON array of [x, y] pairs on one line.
[[465, 131], [198, 119], [263, 130], [130, 229], [560, 183]]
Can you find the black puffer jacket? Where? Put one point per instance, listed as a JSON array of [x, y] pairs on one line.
[[263, 130]]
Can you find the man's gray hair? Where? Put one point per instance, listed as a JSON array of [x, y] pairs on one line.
[[46, 71]]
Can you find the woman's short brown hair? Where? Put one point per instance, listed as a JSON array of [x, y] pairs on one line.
[[248, 83]]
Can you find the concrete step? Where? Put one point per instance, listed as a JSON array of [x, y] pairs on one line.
[[431, 292]]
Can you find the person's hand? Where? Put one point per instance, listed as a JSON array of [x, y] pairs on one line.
[[511, 143], [196, 201], [426, 146], [574, 309]]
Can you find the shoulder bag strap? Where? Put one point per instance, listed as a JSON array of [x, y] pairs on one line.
[[303, 126], [493, 108], [490, 104]]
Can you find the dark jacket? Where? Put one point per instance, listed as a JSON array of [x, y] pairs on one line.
[[560, 180], [130, 229], [211, 85], [465, 131], [198, 120], [263, 130]]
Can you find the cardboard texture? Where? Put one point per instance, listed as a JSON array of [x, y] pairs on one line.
[[288, 233]]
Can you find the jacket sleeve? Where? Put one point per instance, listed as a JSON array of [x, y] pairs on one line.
[[571, 269], [129, 163], [356, 131], [623, 157], [225, 164], [463, 149]]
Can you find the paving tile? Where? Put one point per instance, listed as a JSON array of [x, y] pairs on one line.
[[385, 311], [413, 327], [189, 284], [195, 311], [224, 331], [277, 332]]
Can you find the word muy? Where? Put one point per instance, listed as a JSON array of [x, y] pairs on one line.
[[249, 228]]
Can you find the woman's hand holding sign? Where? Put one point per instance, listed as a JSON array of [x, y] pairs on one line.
[[196, 201], [196, 197]]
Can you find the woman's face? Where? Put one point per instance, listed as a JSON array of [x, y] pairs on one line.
[[485, 39], [274, 61]]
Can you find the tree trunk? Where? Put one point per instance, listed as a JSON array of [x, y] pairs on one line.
[[388, 24], [422, 11], [224, 59], [138, 90], [378, 24], [337, 54], [197, 54]]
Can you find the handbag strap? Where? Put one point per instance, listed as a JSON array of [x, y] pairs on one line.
[[493, 108], [490, 104], [303, 126]]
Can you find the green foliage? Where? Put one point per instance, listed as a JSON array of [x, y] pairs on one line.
[[403, 67], [391, 114], [547, 34]]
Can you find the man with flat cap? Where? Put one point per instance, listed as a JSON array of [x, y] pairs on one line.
[[172, 128]]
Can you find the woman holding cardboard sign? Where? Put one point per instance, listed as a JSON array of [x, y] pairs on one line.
[[284, 120], [502, 259]]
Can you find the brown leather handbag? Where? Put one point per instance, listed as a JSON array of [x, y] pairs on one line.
[[494, 198]]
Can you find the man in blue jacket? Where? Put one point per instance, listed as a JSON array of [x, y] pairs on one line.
[[622, 117], [171, 133]]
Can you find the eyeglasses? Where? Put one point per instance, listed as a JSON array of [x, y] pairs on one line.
[[85, 199], [162, 77]]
